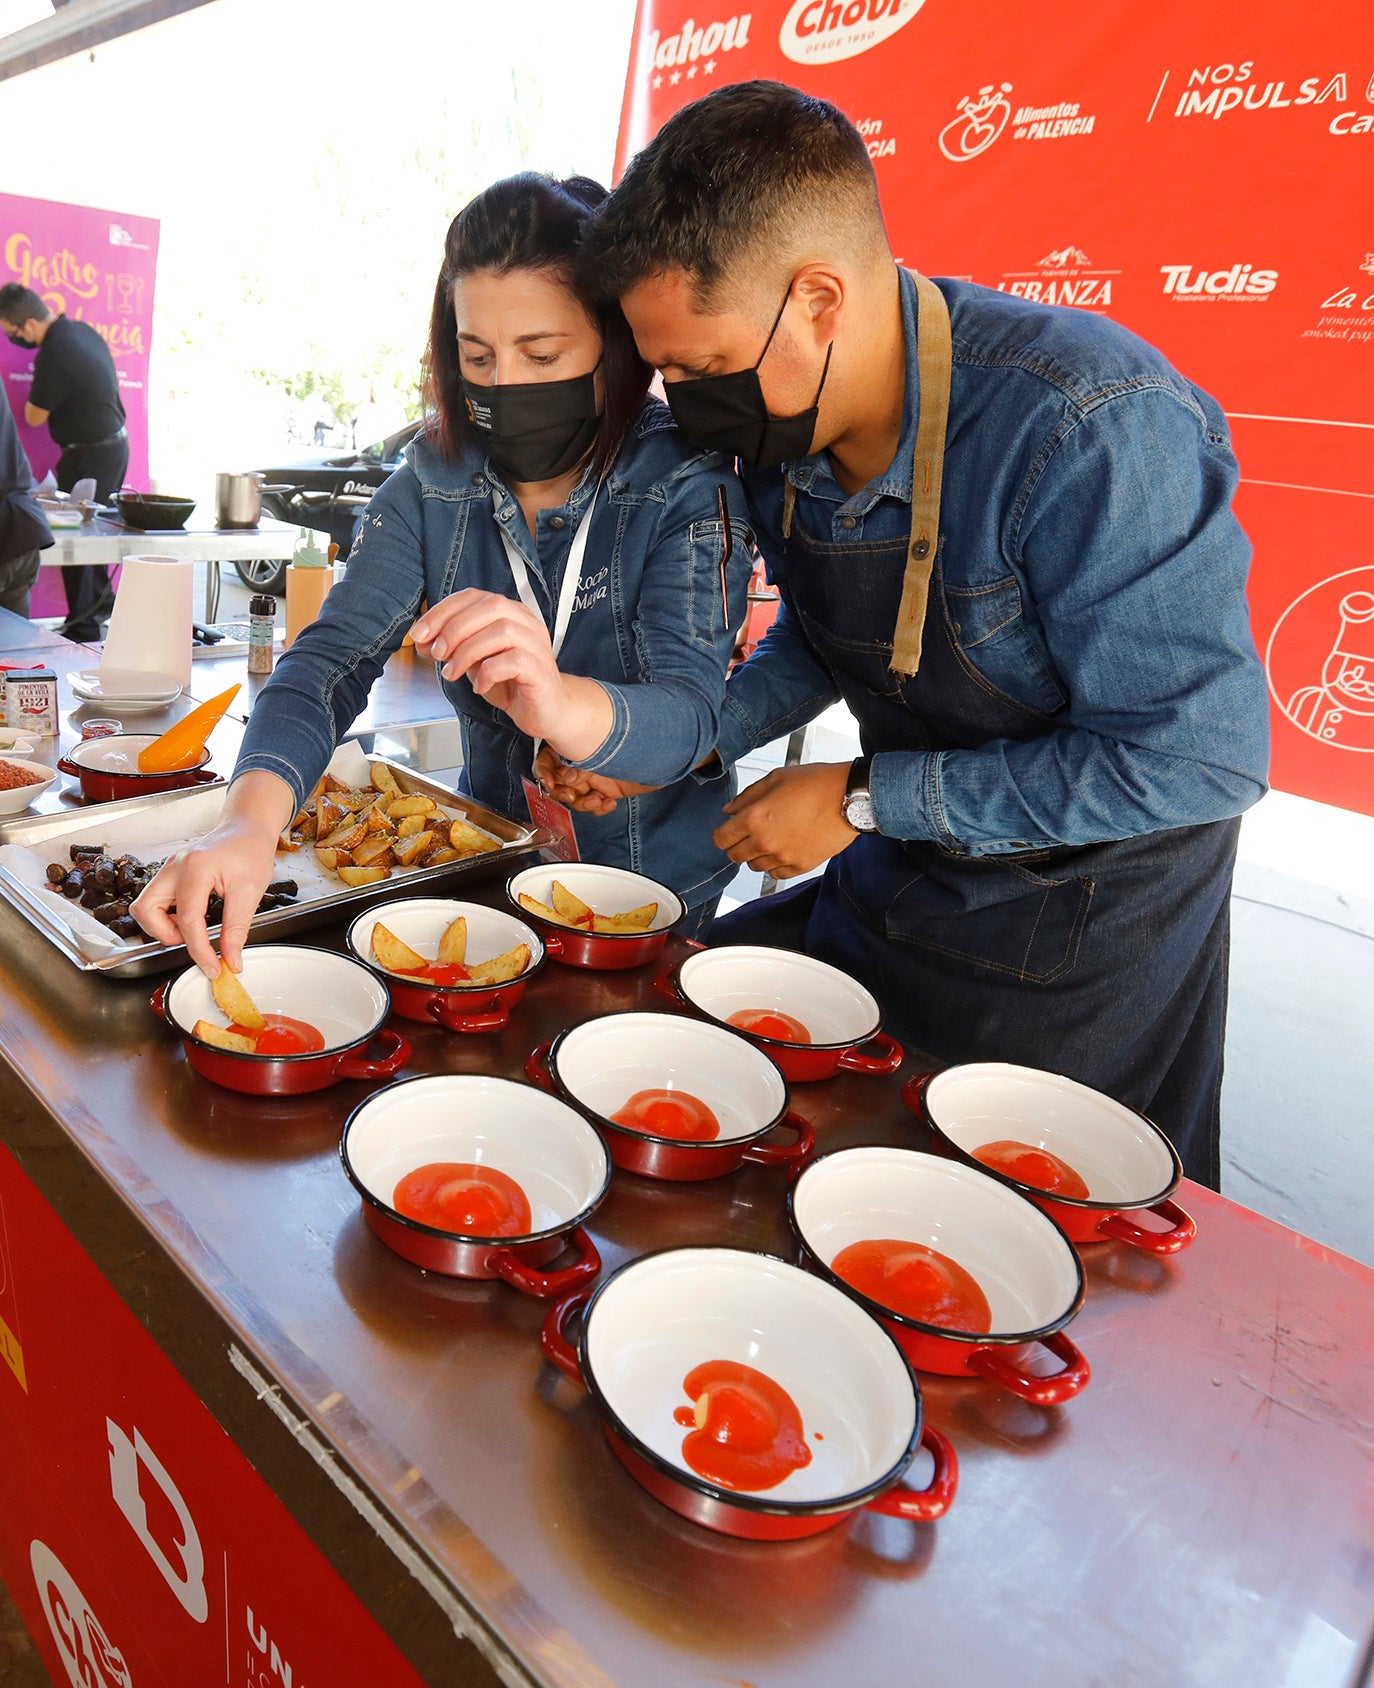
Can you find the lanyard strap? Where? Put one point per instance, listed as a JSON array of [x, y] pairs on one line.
[[935, 362], [572, 575]]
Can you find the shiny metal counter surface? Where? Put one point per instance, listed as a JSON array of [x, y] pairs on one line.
[[1203, 1514]]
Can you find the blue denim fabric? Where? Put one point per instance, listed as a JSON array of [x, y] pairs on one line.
[[649, 624], [1092, 571]]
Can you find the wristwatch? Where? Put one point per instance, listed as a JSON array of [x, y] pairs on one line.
[[857, 803]]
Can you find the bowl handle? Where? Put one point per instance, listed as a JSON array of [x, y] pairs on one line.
[[158, 1000], [545, 1285], [67, 767], [914, 1091], [887, 1061], [935, 1500], [1039, 1391], [1183, 1228], [398, 1053], [553, 1337], [793, 1155], [537, 1067], [452, 1019], [554, 946], [666, 984]]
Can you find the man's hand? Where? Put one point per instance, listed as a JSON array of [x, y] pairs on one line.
[[590, 794], [789, 821]]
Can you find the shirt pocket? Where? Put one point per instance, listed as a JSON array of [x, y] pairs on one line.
[[717, 587], [989, 626]]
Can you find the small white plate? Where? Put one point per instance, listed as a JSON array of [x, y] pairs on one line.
[[125, 686]]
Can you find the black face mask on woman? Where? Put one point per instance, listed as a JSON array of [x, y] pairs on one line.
[[535, 430], [729, 413]]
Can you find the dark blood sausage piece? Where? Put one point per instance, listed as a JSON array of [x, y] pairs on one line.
[[283, 888], [128, 927], [92, 896], [56, 873], [108, 913], [86, 852], [265, 902], [73, 884]]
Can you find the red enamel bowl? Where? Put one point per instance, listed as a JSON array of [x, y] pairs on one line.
[[649, 1324], [421, 922], [1023, 1262], [336, 995], [108, 769], [608, 890], [841, 1016], [1126, 1161], [546, 1147], [600, 1064]]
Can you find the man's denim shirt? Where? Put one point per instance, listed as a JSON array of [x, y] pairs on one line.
[[1094, 571], [649, 623]]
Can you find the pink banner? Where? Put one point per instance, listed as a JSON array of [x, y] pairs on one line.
[[96, 267]]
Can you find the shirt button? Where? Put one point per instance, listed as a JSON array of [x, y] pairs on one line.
[[849, 521], [557, 522]]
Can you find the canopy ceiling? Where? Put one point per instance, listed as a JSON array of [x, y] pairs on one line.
[[75, 26]]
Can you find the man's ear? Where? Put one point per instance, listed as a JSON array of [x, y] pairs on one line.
[[824, 290]]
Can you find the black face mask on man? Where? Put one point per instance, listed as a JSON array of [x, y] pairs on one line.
[[535, 430], [17, 340], [729, 413]]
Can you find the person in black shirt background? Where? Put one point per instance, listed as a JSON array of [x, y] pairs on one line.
[[24, 530], [76, 392]]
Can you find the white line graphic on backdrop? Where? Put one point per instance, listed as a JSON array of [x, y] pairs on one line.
[[1313, 421], [1336, 705], [1293, 486], [1157, 97]]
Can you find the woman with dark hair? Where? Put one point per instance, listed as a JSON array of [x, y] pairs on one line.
[[584, 568]]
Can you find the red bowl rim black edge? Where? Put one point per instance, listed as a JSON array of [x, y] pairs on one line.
[[429, 985], [373, 1200], [1084, 1204], [735, 1497], [603, 1123], [782, 1042], [979, 1339], [252, 1054]]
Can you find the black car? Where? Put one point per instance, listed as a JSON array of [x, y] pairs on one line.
[[326, 493]]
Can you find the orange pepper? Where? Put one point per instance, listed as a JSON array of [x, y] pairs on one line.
[[180, 746]]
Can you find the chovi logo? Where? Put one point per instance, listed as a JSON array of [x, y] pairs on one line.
[[982, 118], [822, 31], [1320, 661]]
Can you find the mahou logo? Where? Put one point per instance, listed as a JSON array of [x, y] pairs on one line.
[[982, 118], [823, 31]]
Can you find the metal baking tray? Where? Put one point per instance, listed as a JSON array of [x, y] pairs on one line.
[[134, 961]]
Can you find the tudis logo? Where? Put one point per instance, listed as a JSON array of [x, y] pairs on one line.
[[824, 31], [982, 118], [1241, 281]]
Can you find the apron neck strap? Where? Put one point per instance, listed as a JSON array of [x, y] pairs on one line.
[[935, 362]]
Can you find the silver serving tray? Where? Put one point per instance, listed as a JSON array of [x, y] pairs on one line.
[[43, 910]]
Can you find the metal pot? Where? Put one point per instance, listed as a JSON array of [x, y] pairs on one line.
[[238, 500]]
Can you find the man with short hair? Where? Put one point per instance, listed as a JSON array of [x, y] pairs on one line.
[[76, 392], [1002, 533]]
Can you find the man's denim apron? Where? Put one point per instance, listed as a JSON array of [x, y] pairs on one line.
[[1105, 962]]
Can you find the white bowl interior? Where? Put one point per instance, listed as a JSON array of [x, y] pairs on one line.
[[11, 802], [422, 921], [604, 1062], [833, 1007], [666, 1314], [605, 890], [548, 1148], [336, 995], [1023, 1264], [115, 755], [1111, 1148]]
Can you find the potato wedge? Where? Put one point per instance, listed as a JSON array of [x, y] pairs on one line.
[[374, 851], [409, 825], [346, 837], [376, 819], [569, 906], [331, 783], [468, 841], [453, 946], [304, 823], [541, 911], [392, 952], [332, 860], [232, 998], [327, 816], [289, 842], [501, 967], [399, 807], [633, 920], [222, 1038], [363, 875], [383, 778], [409, 850], [439, 857]]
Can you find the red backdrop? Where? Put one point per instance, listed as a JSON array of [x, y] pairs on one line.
[[1200, 173]]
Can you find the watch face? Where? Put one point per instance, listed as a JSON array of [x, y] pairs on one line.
[[858, 811]]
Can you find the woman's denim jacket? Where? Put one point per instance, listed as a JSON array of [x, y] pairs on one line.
[[650, 623]]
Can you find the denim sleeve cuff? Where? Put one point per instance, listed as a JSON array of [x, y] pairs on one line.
[[600, 760], [264, 762], [907, 799]]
